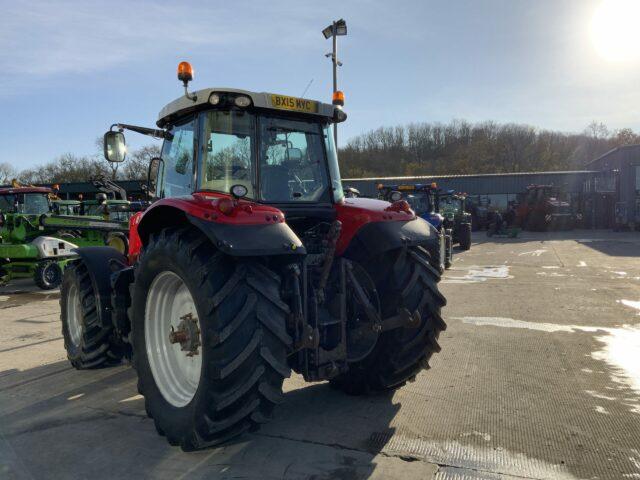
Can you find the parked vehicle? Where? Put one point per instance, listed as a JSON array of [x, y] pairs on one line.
[[456, 218], [250, 263], [424, 199], [543, 208], [36, 241]]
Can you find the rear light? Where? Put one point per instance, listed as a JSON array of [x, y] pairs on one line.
[[226, 206]]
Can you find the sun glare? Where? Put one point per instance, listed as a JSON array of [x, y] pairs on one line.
[[615, 30]]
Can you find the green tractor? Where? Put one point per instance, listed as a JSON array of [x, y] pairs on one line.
[[38, 237], [456, 218], [66, 207], [111, 202]]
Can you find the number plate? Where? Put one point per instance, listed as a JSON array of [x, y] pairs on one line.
[[292, 103]]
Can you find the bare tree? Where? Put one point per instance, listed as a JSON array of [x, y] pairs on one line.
[[460, 147], [7, 173], [137, 164]]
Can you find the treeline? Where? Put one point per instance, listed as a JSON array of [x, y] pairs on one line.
[[461, 147], [458, 147], [75, 168]]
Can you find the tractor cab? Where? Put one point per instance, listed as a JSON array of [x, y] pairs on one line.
[[66, 207], [25, 200], [544, 207], [456, 219], [452, 204], [239, 148]]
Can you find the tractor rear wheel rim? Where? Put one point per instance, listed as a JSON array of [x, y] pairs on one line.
[[74, 315], [176, 372]]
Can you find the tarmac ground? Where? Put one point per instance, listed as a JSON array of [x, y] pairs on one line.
[[538, 378]]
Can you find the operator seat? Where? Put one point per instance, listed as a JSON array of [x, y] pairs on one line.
[[275, 183]]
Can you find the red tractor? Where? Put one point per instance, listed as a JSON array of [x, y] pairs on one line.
[[543, 208], [251, 263]]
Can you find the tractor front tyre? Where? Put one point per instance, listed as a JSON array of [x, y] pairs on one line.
[[48, 274], [209, 339], [88, 343], [448, 260], [404, 279], [119, 241], [465, 236]]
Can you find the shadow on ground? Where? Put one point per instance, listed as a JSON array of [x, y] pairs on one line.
[[60, 423]]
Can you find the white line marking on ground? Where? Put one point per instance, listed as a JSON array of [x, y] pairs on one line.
[[631, 303], [542, 327], [533, 253], [600, 409], [477, 274], [582, 263]]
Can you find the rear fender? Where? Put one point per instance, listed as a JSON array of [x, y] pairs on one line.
[[248, 236], [102, 263], [376, 238]]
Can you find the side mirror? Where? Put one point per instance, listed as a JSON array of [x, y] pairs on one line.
[[153, 174], [351, 192], [294, 155], [395, 196], [115, 148], [339, 115]]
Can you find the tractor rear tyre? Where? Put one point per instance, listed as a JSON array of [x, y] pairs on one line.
[[465, 236], [209, 339], [405, 279], [48, 274], [88, 343]]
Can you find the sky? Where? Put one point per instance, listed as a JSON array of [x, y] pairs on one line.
[[70, 69]]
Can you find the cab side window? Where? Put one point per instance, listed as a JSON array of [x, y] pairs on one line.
[[177, 167]]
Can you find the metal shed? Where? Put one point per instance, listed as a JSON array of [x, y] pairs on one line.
[[497, 188], [616, 186]]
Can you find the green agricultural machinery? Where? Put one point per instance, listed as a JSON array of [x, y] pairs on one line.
[[456, 218], [38, 236]]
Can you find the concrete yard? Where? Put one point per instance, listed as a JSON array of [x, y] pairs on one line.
[[539, 377]]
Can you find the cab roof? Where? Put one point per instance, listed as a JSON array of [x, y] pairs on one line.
[[261, 100], [12, 190]]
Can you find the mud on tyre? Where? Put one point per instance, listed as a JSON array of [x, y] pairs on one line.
[[405, 279], [228, 315]]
